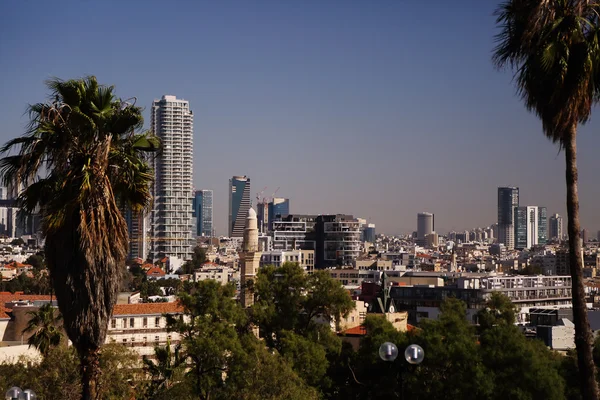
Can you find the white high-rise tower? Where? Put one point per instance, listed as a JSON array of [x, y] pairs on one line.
[[171, 224], [249, 259]]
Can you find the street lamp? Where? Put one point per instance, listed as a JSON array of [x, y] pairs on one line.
[[413, 354], [15, 393]]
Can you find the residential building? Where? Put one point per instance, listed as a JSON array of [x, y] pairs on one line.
[[136, 227], [220, 274], [143, 326], [556, 227], [294, 231], [526, 227], [203, 212], [239, 204], [425, 226], [508, 200], [338, 240], [171, 218], [542, 225], [304, 258]]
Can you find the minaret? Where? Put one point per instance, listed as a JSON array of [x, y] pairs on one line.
[[249, 259]]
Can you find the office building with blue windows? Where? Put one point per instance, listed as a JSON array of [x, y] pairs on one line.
[[203, 212]]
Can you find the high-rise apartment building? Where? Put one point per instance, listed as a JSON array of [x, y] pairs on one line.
[[171, 218], [508, 201], [239, 204], [556, 227], [526, 227], [203, 212], [338, 240], [425, 226]]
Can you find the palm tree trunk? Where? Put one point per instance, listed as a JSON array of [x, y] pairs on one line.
[[583, 335], [90, 369]]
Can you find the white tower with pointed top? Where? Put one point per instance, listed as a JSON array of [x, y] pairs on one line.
[[249, 259]]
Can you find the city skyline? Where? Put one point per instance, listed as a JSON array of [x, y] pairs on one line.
[[331, 103]]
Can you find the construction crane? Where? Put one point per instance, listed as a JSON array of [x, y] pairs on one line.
[[274, 193], [260, 194]]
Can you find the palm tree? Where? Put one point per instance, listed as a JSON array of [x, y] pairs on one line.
[[78, 160], [45, 325], [168, 362], [553, 48]]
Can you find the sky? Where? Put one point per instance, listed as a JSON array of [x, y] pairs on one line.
[[379, 109]]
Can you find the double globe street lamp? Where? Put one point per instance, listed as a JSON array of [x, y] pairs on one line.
[[413, 354], [15, 393]]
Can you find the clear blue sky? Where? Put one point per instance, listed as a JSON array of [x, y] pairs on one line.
[[380, 109]]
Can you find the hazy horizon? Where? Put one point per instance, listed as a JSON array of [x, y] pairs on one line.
[[380, 110]]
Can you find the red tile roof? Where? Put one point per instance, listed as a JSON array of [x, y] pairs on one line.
[[3, 313], [356, 331], [15, 265], [147, 308], [410, 327], [7, 297], [155, 271]]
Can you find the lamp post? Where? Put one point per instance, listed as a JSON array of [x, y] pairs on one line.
[[413, 354], [15, 393]]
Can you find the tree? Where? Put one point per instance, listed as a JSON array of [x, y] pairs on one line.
[[287, 299], [198, 258], [45, 325], [79, 160], [168, 363], [209, 335], [36, 261], [553, 48]]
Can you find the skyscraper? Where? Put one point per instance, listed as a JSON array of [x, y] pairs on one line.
[[508, 200], [171, 220], [526, 227], [278, 206], [239, 204], [425, 226], [542, 225], [556, 227], [203, 211]]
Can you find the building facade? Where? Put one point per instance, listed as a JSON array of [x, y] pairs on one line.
[[425, 226], [239, 204], [203, 212], [542, 225], [171, 218], [278, 206], [292, 232], [556, 227], [338, 240], [508, 201], [526, 227]]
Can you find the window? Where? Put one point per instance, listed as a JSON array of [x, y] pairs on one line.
[[157, 322], [131, 322], [113, 323], [124, 323], [156, 338], [145, 322], [145, 340], [124, 341]]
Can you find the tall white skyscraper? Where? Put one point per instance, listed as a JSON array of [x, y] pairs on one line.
[[508, 200], [171, 224]]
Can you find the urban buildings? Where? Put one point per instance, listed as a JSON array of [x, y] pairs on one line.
[[338, 240], [294, 232], [278, 206], [425, 226], [203, 211], [508, 201], [171, 218], [542, 225], [369, 233], [556, 227], [239, 204], [526, 227]]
